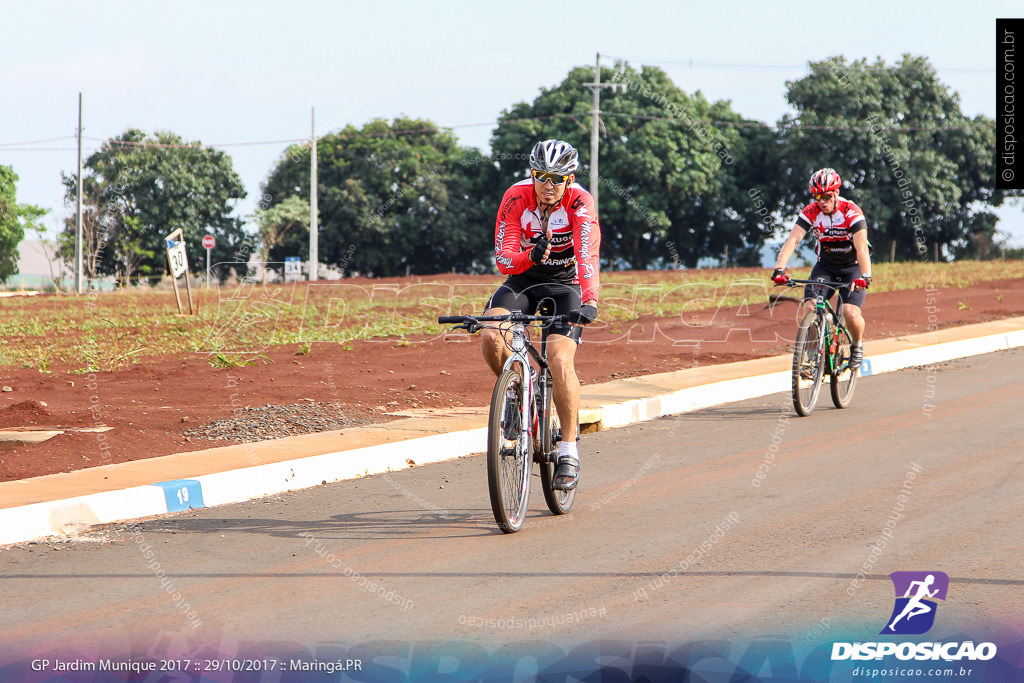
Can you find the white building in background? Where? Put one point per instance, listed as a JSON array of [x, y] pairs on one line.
[[34, 268]]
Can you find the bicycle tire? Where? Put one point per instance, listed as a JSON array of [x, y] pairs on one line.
[[559, 502], [843, 378], [508, 459], [808, 359]]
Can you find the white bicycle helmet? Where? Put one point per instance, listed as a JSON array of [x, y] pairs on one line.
[[554, 156]]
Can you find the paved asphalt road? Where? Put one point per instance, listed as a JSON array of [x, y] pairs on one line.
[[674, 539]]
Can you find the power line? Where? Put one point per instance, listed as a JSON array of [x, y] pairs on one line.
[[697, 64], [759, 124], [35, 142], [195, 145], [13, 146]]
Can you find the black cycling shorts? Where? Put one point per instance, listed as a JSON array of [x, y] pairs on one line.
[[519, 293], [847, 274]]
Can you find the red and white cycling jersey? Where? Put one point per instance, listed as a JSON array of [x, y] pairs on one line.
[[575, 238], [834, 232]]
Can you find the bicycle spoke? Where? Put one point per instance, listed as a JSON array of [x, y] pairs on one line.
[[507, 456], [808, 364]]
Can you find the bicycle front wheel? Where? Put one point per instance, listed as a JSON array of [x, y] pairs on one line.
[[808, 363], [508, 453], [843, 377], [559, 502]]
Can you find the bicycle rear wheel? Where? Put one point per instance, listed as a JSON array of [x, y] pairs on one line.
[[508, 453], [559, 502], [808, 363], [843, 377]]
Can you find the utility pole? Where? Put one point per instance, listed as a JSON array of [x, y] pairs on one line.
[[78, 206], [596, 121], [314, 257]]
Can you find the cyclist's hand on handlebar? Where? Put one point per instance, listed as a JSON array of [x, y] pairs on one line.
[[584, 315], [862, 282], [779, 276]]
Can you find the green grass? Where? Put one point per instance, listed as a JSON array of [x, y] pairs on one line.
[[110, 331]]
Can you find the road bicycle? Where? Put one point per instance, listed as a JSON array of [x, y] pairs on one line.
[[822, 347], [522, 426]]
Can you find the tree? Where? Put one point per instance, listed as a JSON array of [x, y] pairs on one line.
[[920, 169], [139, 188], [677, 173], [33, 218], [14, 220], [11, 229], [273, 224], [393, 198]]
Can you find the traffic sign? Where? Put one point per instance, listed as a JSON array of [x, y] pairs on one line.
[[177, 263], [209, 241]]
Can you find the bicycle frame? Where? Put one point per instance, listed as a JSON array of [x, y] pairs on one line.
[[522, 350], [510, 456], [833, 317], [829, 342]]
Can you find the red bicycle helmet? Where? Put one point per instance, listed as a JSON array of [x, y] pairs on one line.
[[825, 181]]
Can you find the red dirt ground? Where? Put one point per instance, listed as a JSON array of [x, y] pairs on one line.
[[151, 405]]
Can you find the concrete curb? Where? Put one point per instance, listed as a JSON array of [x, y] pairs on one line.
[[615, 404]]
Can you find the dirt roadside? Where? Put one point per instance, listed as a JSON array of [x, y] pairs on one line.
[[169, 404]]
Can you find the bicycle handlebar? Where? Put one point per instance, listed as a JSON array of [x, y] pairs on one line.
[[514, 316], [793, 282]]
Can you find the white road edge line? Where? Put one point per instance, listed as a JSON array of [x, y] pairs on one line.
[[64, 518]]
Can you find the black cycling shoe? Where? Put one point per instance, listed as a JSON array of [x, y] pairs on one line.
[[856, 356], [568, 473]]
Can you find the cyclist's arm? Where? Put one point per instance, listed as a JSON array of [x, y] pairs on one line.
[[586, 239], [789, 246], [860, 245], [508, 231]]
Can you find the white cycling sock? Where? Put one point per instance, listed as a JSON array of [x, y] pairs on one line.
[[568, 448]]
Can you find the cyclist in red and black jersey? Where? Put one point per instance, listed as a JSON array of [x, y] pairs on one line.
[[844, 254], [546, 239]]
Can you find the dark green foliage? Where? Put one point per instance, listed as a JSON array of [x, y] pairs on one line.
[[11, 229], [138, 189], [920, 169], [677, 173], [393, 198]]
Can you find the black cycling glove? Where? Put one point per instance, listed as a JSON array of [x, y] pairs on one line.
[[537, 253], [584, 315]]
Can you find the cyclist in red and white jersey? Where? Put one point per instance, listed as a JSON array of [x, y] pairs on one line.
[[546, 239], [844, 254]]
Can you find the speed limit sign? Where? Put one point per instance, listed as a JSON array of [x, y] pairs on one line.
[[209, 241]]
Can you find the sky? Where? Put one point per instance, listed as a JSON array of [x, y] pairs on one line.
[[226, 73]]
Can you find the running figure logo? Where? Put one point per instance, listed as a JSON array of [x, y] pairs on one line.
[[914, 612]]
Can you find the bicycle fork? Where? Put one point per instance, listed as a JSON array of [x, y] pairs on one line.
[[519, 356]]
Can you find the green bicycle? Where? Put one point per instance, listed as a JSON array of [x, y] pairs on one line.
[[822, 347]]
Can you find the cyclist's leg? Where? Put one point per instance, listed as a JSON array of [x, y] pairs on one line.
[[508, 297], [853, 305], [853, 316], [566, 384], [562, 342], [566, 396]]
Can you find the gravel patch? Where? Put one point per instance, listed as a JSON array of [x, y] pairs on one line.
[[275, 422]]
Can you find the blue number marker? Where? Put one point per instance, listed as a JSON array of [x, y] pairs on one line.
[[182, 494]]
